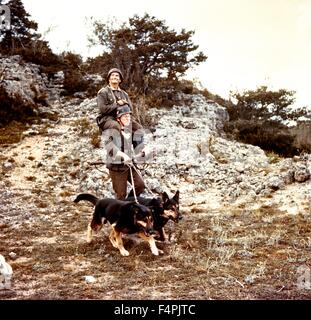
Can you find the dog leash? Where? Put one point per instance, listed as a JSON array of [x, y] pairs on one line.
[[133, 185], [148, 189], [130, 166]]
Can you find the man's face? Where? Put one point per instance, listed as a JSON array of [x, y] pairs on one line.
[[114, 78], [125, 119]]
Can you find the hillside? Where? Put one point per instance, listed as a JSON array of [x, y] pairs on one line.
[[245, 232]]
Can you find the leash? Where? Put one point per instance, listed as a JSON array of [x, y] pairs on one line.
[[133, 185], [131, 167], [148, 189]]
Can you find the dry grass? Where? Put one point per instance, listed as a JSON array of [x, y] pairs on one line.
[[230, 254], [95, 138], [273, 157], [83, 126], [12, 134]]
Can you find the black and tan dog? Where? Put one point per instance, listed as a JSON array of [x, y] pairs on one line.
[[163, 209], [124, 217]]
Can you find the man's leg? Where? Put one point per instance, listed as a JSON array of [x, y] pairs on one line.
[[109, 138], [119, 183], [111, 123]]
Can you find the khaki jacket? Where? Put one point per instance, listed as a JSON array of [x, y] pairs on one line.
[[107, 101]]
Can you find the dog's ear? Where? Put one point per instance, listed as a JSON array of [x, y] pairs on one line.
[[154, 202], [176, 196], [165, 197]]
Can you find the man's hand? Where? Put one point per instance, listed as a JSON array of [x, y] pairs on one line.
[[126, 158], [140, 154], [122, 102]]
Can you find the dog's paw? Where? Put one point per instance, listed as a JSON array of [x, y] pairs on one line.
[[124, 253], [157, 252]]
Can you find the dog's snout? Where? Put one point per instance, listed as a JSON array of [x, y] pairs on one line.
[[152, 231], [149, 231], [178, 217]]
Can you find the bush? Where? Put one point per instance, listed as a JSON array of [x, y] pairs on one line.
[[38, 52], [268, 135], [303, 137], [218, 99], [251, 121], [74, 82], [14, 108]]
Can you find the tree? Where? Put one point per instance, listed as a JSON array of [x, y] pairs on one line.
[[22, 31], [261, 103], [22, 39], [145, 47], [256, 118]]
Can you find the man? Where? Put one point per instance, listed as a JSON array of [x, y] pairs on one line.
[[119, 144], [111, 97]]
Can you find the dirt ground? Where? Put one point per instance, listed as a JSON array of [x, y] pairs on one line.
[[228, 254]]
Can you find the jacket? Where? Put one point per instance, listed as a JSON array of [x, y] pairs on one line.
[[115, 141], [107, 101]]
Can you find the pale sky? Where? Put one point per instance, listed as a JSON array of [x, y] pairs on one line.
[[248, 42]]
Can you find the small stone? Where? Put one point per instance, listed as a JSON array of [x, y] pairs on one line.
[[12, 255], [302, 174], [89, 279], [7, 166]]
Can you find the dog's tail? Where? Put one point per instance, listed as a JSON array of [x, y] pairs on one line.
[[87, 197]]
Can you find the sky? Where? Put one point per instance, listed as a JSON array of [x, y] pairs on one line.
[[249, 43]]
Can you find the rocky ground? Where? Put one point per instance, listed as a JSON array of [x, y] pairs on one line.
[[245, 233], [246, 227]]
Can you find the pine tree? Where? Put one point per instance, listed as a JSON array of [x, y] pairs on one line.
[[145, 47], [22, 31]]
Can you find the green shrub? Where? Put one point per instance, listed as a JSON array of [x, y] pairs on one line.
[[268, 135], [74, 82], [14, 108], [250, 121], [303, 136]]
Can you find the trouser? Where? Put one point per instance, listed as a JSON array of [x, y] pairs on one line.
[[119, 182]]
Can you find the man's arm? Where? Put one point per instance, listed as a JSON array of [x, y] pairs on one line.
[[112, 144], [106, 104], [127, 99]]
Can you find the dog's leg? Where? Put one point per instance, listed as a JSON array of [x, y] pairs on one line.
[[89, 234], [113, 239], [123, 251], [162, 234], [152, 244]]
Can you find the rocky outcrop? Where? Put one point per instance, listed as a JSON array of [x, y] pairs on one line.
[[188, 149], [26, 81], [20, 79], [189, 152]]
